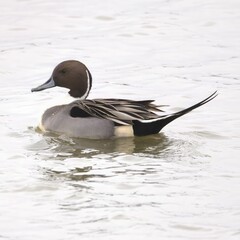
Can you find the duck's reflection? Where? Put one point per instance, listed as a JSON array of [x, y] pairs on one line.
[[82, 159], [64, 146]]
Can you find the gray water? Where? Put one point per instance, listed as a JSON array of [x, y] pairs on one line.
[[180, 184]]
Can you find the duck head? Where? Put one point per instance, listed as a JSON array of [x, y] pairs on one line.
[[70, 74]]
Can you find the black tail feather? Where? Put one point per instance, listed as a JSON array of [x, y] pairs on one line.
[[146, 128]]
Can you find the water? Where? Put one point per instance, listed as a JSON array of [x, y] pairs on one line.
[[180, 184]]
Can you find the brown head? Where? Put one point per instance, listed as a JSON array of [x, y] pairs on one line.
[[70, 74]]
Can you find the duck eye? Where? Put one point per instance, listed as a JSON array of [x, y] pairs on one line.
[[63, 71]]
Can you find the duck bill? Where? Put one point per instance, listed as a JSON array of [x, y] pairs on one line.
[[48, 84]]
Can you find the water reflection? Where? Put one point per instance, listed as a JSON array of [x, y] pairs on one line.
[[80, 160], [61, 157], [63, 146]]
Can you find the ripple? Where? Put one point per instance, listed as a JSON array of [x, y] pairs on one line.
[[105, 18]]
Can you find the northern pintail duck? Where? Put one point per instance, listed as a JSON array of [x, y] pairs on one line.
[[101, 118]]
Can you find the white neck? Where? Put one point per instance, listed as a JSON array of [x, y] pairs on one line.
[[88, 86]]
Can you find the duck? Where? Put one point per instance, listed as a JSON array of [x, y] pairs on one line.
[[101, 118]]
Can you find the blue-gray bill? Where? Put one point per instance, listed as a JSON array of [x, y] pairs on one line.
[[48, 84]]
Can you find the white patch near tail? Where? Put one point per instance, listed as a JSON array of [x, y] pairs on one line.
[[123, 131]]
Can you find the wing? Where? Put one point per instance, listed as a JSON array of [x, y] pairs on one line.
[[120, 111], [127, 112]]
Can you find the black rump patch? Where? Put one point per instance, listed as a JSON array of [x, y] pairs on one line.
[[147, 128], [78, 112]]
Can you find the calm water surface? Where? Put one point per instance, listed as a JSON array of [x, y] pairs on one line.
[[180, 184]]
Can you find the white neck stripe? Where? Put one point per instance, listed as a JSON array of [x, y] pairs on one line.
[[88, 86]]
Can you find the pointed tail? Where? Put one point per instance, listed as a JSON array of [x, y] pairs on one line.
[[146, 128]]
